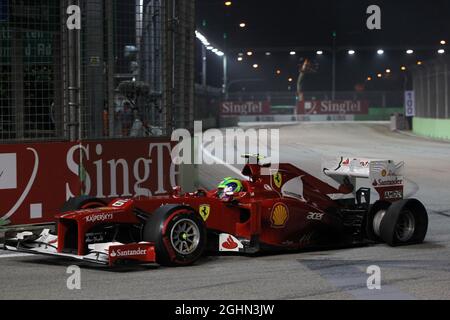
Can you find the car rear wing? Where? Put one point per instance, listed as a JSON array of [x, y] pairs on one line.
[[385, 176]]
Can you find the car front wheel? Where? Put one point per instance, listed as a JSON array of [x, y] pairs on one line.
[[178, 233]]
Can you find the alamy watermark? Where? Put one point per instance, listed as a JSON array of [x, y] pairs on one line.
[[74, 19], [74, 280], [374, 280], [227, 146], [374, 20]]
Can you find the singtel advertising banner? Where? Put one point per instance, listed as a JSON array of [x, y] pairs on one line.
[[247, 108], [36, 179], [328, 107]]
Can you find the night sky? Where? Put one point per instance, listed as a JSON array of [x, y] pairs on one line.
[[306, 26]]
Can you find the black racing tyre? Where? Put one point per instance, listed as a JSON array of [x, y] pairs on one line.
[[405, 223], [373, 220], [178, 233], [82, 202]]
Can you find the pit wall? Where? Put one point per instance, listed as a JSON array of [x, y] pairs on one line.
[[432, 128]]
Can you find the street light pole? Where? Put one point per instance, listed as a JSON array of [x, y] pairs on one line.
[[204, 70], [225, 76], [333, 72]]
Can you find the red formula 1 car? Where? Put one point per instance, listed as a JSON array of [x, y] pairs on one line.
[[287, 210]]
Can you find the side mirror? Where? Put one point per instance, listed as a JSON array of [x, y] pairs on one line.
[[176, 191]]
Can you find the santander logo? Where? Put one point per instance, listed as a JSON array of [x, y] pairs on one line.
[[128, 253], [227, 242], [230, 244]]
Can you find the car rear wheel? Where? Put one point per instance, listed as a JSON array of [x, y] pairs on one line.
[[405, 222], [178, 233]]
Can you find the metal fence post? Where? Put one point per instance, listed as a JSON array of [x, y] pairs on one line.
[[17, 66], [94, 75], [169, 61], [447, 110], [109, 12], [74, 80]]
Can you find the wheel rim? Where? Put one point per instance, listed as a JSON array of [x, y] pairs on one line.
[[406, 226], [377, 222], [185, 236]]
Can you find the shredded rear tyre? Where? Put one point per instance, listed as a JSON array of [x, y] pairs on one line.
[[405, 222]]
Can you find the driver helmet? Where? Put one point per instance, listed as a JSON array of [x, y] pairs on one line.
[[229, 185]]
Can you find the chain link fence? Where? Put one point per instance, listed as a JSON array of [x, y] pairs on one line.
[[30, 68], [431, 83], [128, 72]]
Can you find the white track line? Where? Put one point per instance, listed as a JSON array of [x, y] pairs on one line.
[[220, 161], [14, 255]]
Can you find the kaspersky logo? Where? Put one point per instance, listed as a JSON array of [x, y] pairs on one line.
[[99, 217], [128, 253]]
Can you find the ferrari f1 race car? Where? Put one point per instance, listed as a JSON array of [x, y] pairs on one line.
[[287, 210]]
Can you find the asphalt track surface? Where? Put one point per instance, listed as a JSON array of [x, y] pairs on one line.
[[416, 272]]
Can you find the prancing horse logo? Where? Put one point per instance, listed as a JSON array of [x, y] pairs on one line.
[[204, 211], [278, 180]]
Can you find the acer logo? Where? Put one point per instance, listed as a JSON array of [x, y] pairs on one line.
[[99, 217], [315, 216]]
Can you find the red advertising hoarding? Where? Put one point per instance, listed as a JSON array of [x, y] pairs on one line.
[[36, 179], [246, 108], [338, 107]]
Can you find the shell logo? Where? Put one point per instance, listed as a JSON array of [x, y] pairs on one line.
[[280, 215]]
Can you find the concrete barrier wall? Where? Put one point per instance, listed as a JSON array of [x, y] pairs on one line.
[[268, 118], [375, 114], [379, 114], [432, 128]]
